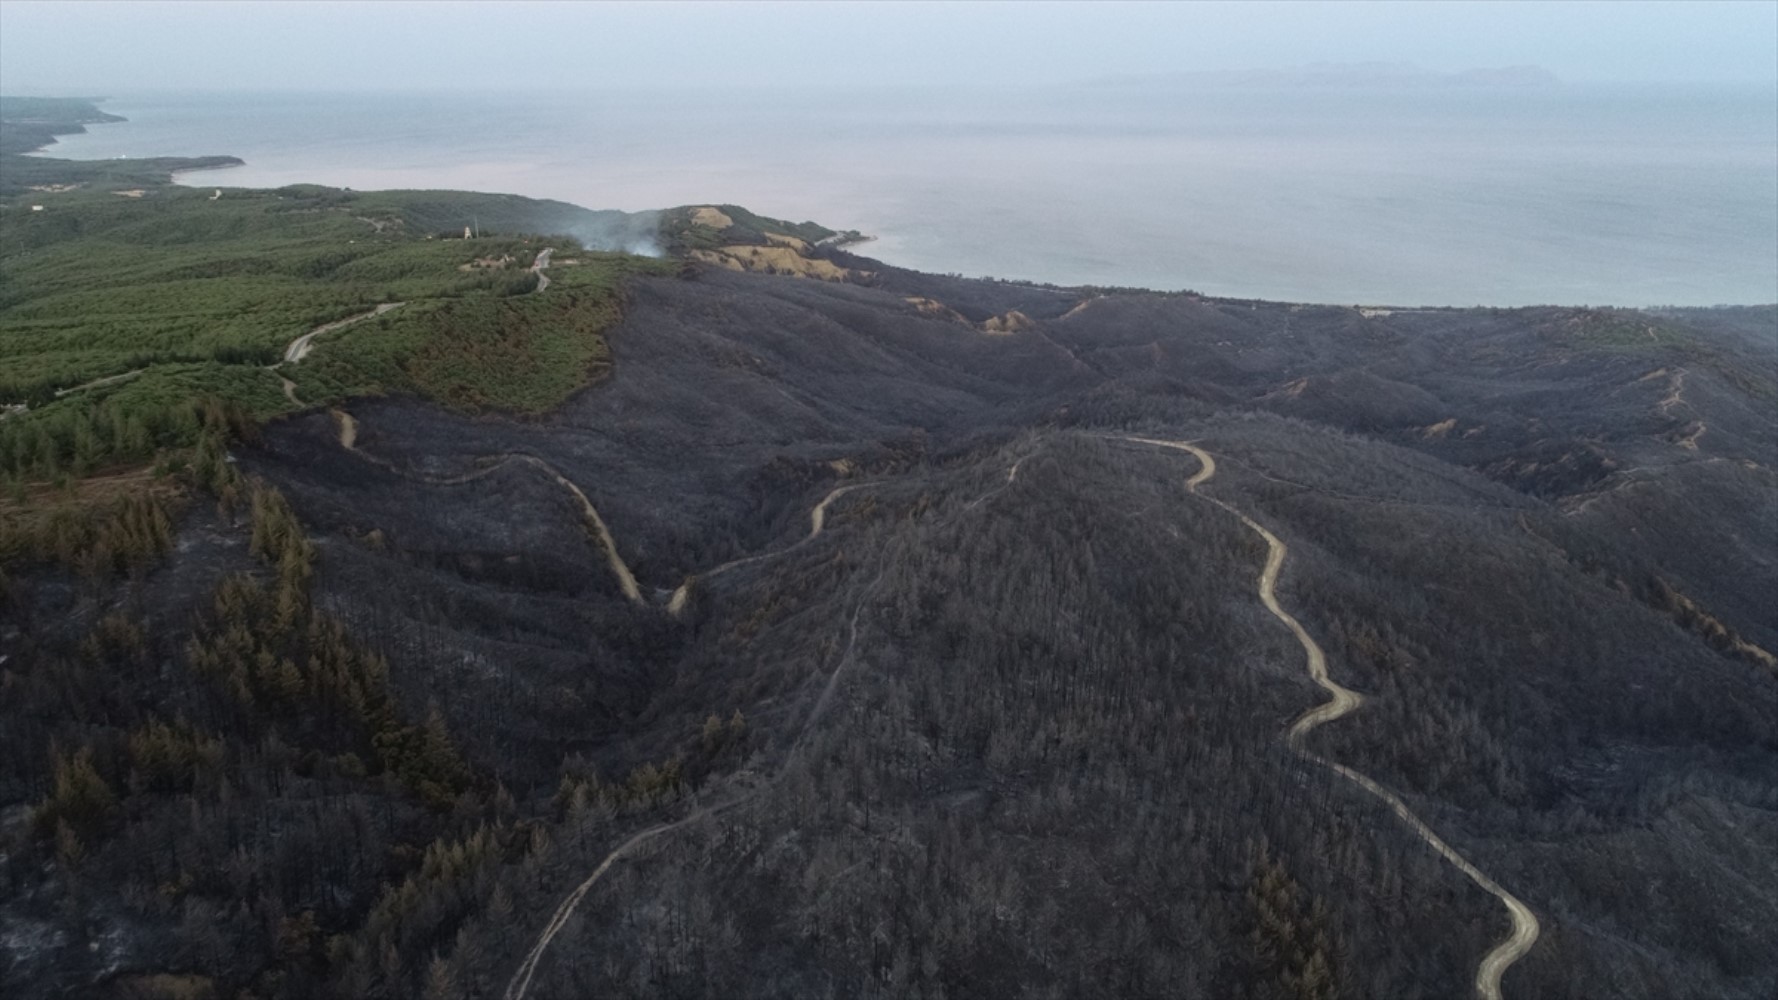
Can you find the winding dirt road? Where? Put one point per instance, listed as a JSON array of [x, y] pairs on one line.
[[537, 268], [520, 983], [300, 347], [1343, 701], [817, 521], [626, 580]]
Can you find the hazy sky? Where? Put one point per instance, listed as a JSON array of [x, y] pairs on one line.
[[115, 48]]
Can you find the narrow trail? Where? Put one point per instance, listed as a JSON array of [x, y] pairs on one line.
[[300, 347], [817, 521], [1676, 397], [537, 268], [626, 580], [1081, 307], [13, 409], [1675, 392], [1343, 701], [95, 383], [1012, 476], [520, 984]]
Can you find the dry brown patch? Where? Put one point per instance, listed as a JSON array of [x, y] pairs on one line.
[[1012, 321], [1688, 614], [131, 193], [933, 307], [167, 986], [774, 260], [719, 259], [1435, 432], [1294, 389], [708, 216], [779, 239]]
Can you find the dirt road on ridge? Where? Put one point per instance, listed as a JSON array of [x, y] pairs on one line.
[[1343, 701], [300, 347]]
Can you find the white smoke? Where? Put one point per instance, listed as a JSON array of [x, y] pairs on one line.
[[627, 232]]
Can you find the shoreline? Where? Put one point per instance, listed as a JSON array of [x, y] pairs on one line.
[[177, 171], [185, 171]]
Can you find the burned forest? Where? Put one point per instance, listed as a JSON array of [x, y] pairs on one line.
[[859, 632]]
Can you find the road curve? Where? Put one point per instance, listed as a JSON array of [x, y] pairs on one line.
[[520, 984], [1343, 701], [817, 521], [300, 347], [626, 580], [537, 268], [1012, 475], [619, 569]]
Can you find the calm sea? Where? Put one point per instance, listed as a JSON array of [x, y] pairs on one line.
[[1568, 194]]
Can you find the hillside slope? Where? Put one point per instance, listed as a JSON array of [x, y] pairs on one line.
[[1012, 723]]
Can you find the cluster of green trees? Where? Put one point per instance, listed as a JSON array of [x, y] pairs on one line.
[[505, 352], [280, 659], [279, 694], [180, 297]]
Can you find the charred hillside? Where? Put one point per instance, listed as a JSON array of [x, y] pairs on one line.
[[881, 636]]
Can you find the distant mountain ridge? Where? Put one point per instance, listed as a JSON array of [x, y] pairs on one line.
[[1343, 75]]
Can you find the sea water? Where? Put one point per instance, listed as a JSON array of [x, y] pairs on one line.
[[1567, 194]]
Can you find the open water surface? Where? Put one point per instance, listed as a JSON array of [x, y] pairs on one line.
[[1569, 194]]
